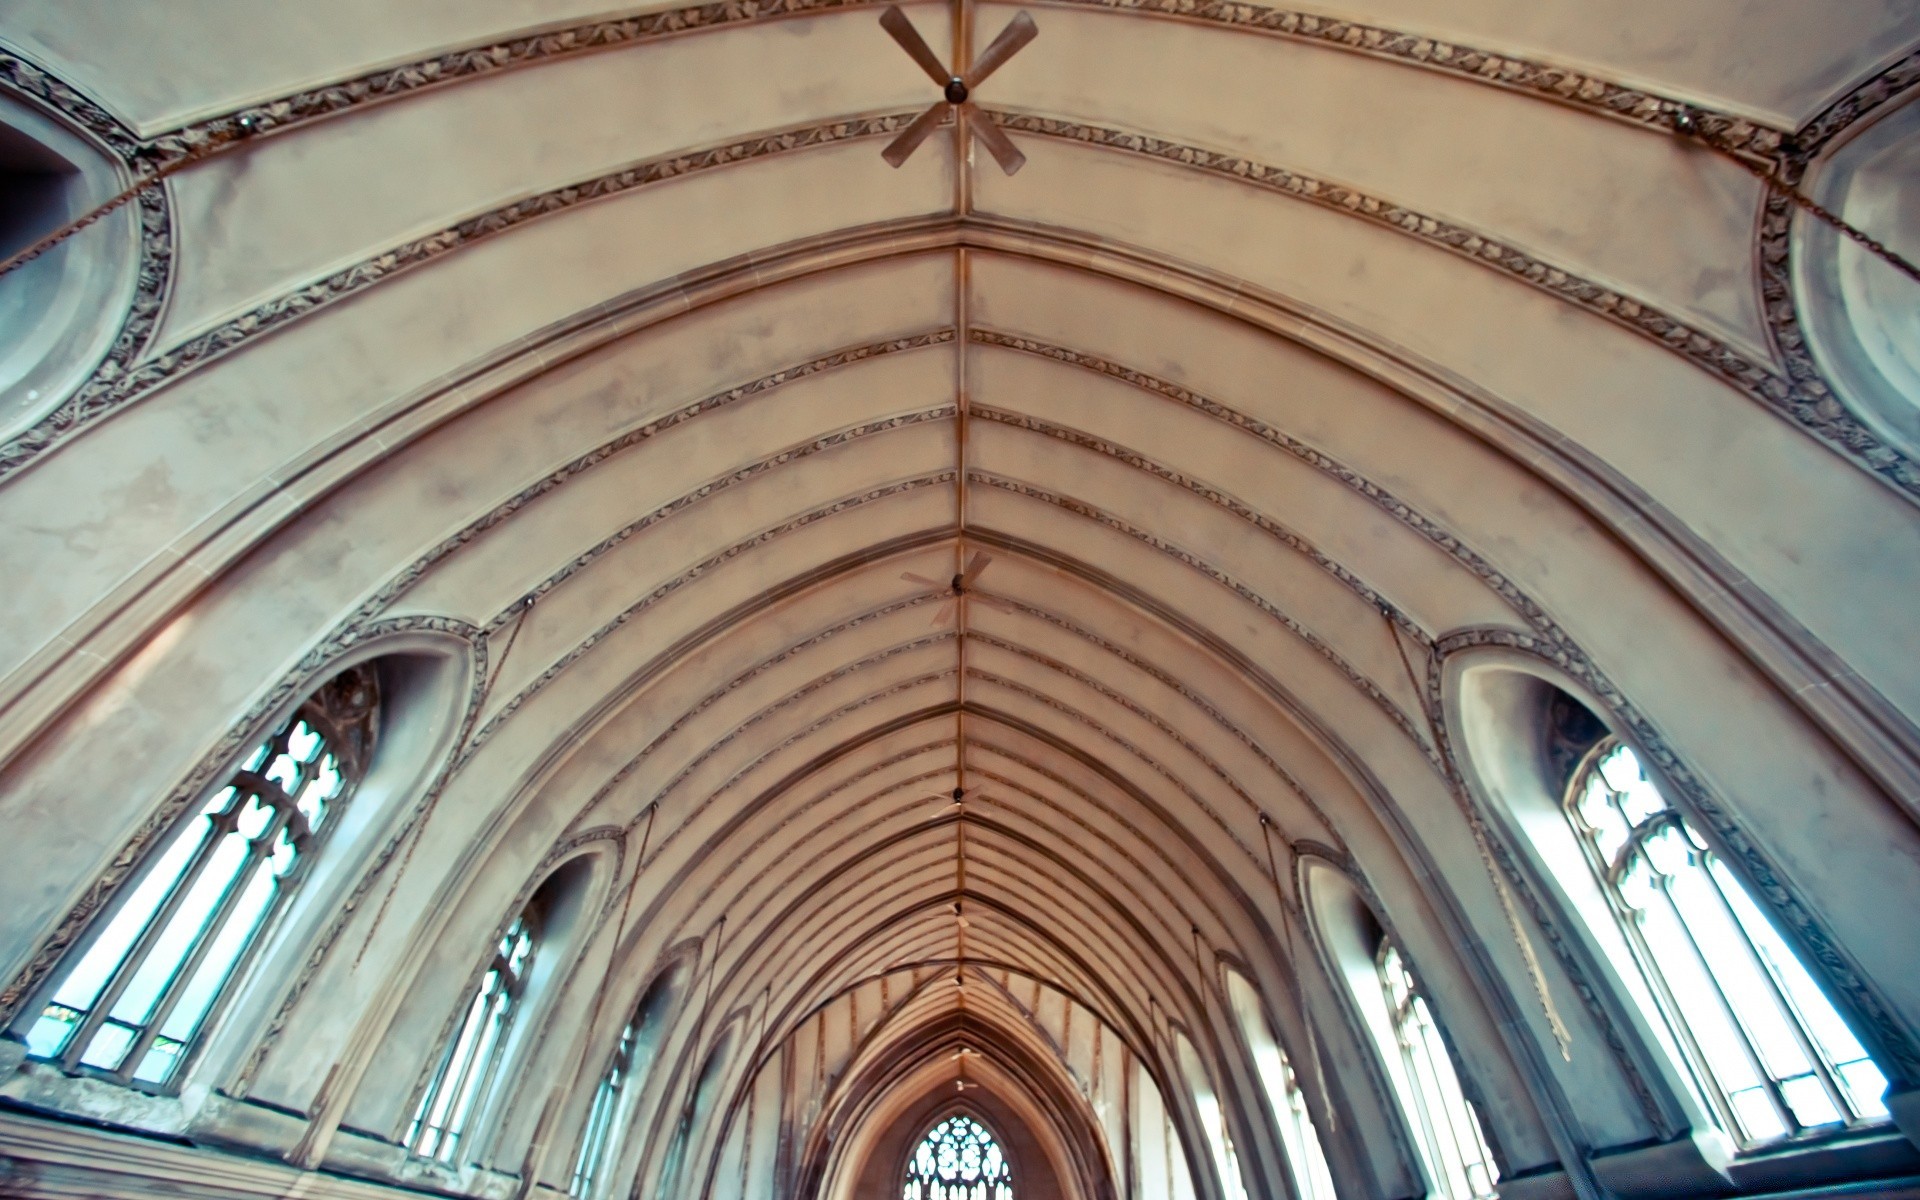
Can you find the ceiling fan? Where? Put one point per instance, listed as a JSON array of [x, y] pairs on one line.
[[961, 585], [956, 89]]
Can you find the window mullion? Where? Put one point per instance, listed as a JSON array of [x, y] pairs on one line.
[[156, 925], [176, 985], [1745, 1038], [1822, 1070]]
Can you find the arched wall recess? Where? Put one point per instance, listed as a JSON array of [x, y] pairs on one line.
[[1860, 313], [60, 313], [567, 892], [1530, 733], [420, 678]]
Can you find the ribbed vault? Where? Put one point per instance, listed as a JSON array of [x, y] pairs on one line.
[[1309, 357]]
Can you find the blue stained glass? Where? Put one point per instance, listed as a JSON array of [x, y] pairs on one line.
[[958, 1160]]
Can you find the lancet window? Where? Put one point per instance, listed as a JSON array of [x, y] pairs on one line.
[[1768, 1048], [958, 1160], [1307, 1160], [1452, 1143], [133, 1004], [467, 1066]]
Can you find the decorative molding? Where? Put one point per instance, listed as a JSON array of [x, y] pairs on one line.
[[807, 689], [1815, 413], [154, 274], [1814, 398], [1563, 85], [307, 674], [567, 848], [1834, 964], [109, 391], [506, 711], [1548, 641]]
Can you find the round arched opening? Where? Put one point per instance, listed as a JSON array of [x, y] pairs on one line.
[[59, 312], [1862, 314]]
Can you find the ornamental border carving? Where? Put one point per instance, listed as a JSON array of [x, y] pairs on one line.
[[1780, 300], [154, 272], [1546, 81], [1807, 406], [1546, 641], [111, 390], [1835, 965]]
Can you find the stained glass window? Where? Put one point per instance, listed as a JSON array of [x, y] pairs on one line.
[[134, 1002], [958, 1160], [1771, 1052], [1451, 1140], [467, 1067]]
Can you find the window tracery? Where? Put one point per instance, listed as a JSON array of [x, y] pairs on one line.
[[133, 1004], [958, 1159], [1451, 1139], [1763, 1041], [468, 1064]]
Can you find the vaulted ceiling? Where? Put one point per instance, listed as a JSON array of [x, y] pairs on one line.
[[1305, 352]]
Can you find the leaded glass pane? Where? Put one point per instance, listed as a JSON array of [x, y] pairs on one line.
[[958, 1160], [1451, 1140], [131, 1004], [1769, 1049], [467, 1069]]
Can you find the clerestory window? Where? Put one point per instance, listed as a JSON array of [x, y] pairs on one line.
[[958, 1160], [613, 1098], [1764, 1043], [467, 1066], [1305, 1157], [1451, 1140], [133, 1005]]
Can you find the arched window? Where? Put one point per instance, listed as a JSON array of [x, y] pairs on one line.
[[468, 1064], [1306, 1159], [133, 1003], [958, 1160], [1451, 1140], [1766, 1045], [631, 1057]]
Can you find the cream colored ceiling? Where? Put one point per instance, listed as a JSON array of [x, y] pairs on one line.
[[1272, 333]]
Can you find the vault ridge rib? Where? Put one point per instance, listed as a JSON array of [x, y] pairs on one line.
[[760, 668], [1187, 693], [1252, 596], [1219, 497]]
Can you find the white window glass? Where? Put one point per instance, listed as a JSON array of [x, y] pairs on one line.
[[958, 1160], [1450, 1137], [467, 1067], [133, 1003], [1769, 1050], [1301, 1139], [606, 1103]]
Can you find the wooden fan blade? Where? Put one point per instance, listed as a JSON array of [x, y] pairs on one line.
[[944, 616], [996, 604], [896, 23], [923, 581], [998, 144], [977, 563], [1018, 33], [911, 137]]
